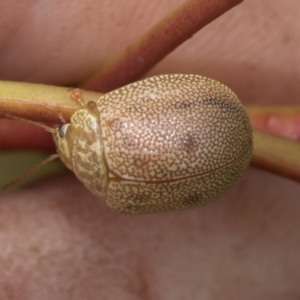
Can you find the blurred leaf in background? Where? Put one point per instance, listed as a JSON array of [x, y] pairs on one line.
[[15, 163]]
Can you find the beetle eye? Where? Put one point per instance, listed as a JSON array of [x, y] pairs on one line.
[[62, 131]]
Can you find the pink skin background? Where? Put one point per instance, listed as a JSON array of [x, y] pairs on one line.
[[57, 241]]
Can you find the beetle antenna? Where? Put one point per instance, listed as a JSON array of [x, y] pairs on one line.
[[47, 128], [29, 172]]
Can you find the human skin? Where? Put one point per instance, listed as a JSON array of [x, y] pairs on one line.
[[58, 241]]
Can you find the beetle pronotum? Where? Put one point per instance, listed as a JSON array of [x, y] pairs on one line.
[[165, 143]]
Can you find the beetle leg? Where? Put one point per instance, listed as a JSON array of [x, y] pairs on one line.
[[76, 96]]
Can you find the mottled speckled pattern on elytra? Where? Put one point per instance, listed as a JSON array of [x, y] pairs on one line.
[[166, 143]]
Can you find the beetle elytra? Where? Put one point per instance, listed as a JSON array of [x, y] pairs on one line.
[[165, 143]]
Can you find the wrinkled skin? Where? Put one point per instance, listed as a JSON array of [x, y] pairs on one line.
[[57, 241]]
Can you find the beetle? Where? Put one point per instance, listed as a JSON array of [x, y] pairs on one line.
[[165, 143]]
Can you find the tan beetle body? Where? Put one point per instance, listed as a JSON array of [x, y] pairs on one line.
[[169, 142]]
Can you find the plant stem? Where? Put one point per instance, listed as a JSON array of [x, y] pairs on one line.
[[281, 120], [164, 37], [276, 154]]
